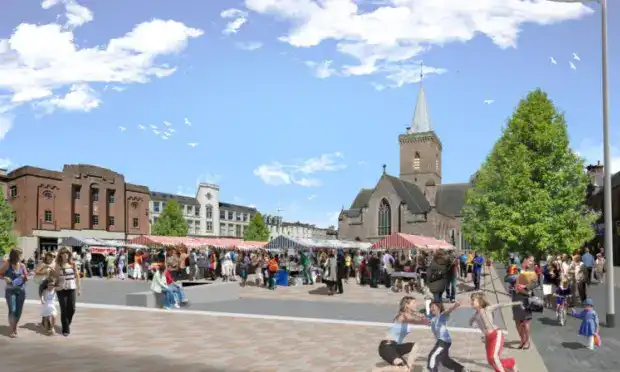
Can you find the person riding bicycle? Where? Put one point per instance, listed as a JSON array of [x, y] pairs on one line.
[[562, 293]]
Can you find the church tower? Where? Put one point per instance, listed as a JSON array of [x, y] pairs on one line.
[[420, 150]]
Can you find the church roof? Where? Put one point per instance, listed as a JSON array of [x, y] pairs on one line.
[[450, 198], [361, 200], [421, 122]]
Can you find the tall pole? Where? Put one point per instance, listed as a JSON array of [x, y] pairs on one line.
[[609, 238]]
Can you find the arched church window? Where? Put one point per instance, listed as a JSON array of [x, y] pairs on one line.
[[385, 218], [416, 160]]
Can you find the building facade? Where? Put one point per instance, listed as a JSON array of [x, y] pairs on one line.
[[278, 227], [416, 202], [81, 200], [205, 214]]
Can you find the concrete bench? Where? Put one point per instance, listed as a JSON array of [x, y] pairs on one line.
[[195, 292]]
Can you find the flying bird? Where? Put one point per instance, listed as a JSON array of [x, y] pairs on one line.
[[553, 61], [153, 126], [572, 66], [142, 127], [192, 144], [488, 101], [187, 122], [122, 129], [156, 132], [166, 123], [576, 57]]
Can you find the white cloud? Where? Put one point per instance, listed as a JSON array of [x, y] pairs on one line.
[[6, 123], [311, 197], [277, 174], [209, 178], [236, 17], [322, 70], [592, 152], [5, 163], [390, 32], [250, 45], [38, 61]]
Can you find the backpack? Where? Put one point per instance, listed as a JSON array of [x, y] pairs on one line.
[[273, 266]]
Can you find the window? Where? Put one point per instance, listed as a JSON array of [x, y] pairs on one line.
[[134, 205], [231, 215], [155, 219], [222, 215], [190, 210], [47, 194], [95, 193], [197, 211], [246, 217], [208, 196], [416, 161], [238, 231], [245, 230], [437, 165], [13, 192], [110, 220], [385, 217], [231, 230], [136, 223], [111, 196], [209, 226], [156, 206], [209, 211], [95, 220], [47, 216], [223, 229], [239, 216], [76, 218], [76, 192]]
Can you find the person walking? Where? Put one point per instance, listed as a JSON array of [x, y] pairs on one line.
[[476, 271], [88, 271], [15, 275], [437, 275], [588, 262], [68, 287]]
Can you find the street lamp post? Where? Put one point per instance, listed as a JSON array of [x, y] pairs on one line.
[[607, 205]]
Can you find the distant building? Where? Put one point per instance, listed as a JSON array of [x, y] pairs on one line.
[[82, 201], [205, 214], [278, 227]]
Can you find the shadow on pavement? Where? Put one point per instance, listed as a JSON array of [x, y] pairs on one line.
[[549, 322], [573, 345]]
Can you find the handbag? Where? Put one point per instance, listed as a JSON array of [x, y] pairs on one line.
[[597, 340], [535, 304]]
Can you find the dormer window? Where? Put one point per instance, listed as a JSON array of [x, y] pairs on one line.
[[416, 161]]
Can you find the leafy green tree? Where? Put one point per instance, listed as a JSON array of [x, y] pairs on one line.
[[171, 221], [8, 239], [529, 194], [257, 231]]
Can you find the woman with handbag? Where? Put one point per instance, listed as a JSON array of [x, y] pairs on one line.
[[15, 275], [526, 282]]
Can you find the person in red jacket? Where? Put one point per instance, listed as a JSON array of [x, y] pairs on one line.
[[176, 289]]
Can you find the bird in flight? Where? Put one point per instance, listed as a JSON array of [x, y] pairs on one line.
[[187, 122], [156, 132], [576, 57], [122, 129], [192, 144], [142, 127], [488, 101], [153, 126], [166, 123], [553, 61], [572, 66]]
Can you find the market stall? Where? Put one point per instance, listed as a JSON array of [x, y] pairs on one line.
[[400, 241]]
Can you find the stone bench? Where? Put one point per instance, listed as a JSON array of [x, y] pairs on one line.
[[195, 292]]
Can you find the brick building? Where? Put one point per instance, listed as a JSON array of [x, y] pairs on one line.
[[416, 202], [82, 201]]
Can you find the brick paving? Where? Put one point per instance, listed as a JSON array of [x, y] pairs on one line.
[[353, 293], [123, 340]]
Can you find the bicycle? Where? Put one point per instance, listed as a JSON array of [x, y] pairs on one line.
[[561, 310]]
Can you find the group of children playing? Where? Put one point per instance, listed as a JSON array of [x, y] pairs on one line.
[[401, 355]]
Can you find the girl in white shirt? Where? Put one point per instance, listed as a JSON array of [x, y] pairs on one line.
[[48, 309]]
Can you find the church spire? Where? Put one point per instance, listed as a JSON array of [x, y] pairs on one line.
[[421, 122]]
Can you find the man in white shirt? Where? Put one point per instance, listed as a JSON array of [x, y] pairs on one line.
[[388, 267]]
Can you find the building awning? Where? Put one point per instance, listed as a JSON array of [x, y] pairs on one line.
[[406, 241]]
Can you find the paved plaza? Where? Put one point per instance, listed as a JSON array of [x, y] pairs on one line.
[[105, 340]]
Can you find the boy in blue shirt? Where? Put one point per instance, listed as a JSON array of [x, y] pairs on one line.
[[440, 353], [477, 270]]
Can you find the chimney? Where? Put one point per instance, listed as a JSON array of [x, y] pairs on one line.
[[596, 173]]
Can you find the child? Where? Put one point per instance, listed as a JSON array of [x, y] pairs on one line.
[[440, 353], [493, 337], [562, 293], [48, 311], [589, 322], [392, 349]]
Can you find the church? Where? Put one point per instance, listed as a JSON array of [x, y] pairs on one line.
[[415, 202]]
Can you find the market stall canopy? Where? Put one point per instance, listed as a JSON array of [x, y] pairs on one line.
[[75, 241], [195, 242], [164, 241], [289, 242], [123, 244], [406, 241]]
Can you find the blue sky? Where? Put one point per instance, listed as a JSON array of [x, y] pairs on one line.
[[293, 105]]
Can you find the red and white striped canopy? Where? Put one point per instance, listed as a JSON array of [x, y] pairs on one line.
[[407, 241], [190, 242]]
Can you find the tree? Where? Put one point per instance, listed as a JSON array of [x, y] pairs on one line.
[[8, 239], [529, 194], [171, 221], [257, 231]]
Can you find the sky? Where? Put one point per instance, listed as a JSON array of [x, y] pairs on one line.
[[291, 106]]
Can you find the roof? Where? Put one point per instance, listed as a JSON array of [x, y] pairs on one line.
[[421, 122], [237, 208], [450, 198], [162, 196], [362, 199]]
